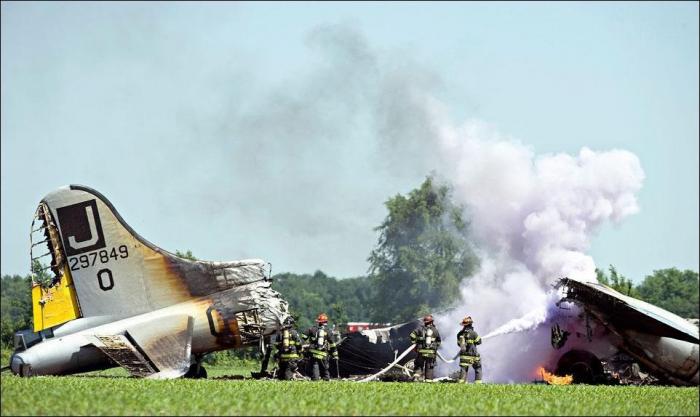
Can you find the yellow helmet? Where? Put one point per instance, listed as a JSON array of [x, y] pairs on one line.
[[467, 320]]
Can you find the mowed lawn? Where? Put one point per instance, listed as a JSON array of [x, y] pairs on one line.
[[112, 393]]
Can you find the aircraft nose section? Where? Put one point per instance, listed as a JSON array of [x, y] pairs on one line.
[[19, 366], [16, 363]]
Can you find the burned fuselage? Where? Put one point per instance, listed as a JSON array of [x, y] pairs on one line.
[[596, 336], [368, 351], [657, 341], [116, 298]]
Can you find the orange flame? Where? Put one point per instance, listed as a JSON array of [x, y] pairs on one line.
[[552, 379]]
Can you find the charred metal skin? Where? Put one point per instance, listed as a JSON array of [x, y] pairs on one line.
[[74, 351], [369, 351], [117, 299], [667, 345]]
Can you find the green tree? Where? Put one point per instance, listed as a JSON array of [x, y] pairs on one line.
[[343, 300], [422, 254], [15, 306], [673, 290], [16, 301], [617, 282], [42, 273], [186, 255]]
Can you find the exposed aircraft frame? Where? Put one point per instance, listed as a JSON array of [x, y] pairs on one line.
[[663, 344], [114, 298], [117, 299], [622, 341]]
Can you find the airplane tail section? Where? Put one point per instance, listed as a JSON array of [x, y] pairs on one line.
[[101, 266]]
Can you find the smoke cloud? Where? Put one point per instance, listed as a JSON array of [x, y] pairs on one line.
[[532, 216]]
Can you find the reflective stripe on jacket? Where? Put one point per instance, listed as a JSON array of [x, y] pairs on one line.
[[426, 337], [318, 354], [427, 353], [285, 357], [288, 344], [466, 360], [467, 339], [320, 342]]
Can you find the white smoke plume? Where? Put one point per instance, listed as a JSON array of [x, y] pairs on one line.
[[533, 218], [526, 322]]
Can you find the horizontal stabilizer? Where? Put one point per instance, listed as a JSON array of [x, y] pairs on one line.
[[167, 342], [158, 348], [122, 351]]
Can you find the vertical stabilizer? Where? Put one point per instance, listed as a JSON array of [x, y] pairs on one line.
[[116, 272]]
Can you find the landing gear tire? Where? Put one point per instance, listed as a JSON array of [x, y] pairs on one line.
[[585, 367], [196, 371]]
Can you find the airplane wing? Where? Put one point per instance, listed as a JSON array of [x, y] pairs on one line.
[[625, 312], [157, 349]]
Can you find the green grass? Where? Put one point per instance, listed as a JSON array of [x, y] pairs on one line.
[[112, 393], [5, 352], [233, 370]]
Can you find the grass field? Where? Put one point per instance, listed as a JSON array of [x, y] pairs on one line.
[[113, 393]]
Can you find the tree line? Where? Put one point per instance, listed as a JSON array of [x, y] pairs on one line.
[[671, 289]]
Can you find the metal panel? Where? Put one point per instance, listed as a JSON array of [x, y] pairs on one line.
[[123, 352], [167, 341], [55, 305]]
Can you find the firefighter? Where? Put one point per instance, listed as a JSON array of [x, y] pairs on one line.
[[288, 350], [467, 339], [427, 341], [320, 345]]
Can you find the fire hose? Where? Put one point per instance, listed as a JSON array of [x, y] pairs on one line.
[[448, 360], [396, 361], [391, 365]]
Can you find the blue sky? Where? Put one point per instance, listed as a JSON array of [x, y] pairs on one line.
[[170, 110]]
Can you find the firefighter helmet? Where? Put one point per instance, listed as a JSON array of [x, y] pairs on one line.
[[288, 322], [322, 318], [428, 319], [467, 320]]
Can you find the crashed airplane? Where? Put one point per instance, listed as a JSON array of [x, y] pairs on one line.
[[604, 338], [113, 298], [646, 344]]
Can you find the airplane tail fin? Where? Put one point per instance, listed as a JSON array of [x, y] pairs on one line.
[[101, 266]]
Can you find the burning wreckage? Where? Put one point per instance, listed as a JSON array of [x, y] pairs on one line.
[[111, 298], [115, 299], [619, 340], [646, 344]]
